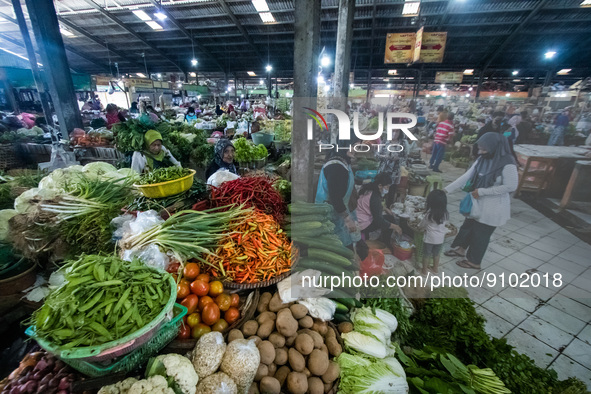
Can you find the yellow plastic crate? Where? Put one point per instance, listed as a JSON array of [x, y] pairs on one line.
[[169, 188]]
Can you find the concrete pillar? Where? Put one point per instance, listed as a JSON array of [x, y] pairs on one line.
[[236, 89], [226, 83], [269, 85], [39, 83], [480, 81], [548, 79], [53, 55], [342, 61], [305, 70], [8, 91]]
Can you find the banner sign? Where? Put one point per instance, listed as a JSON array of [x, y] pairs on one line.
[[433, 47], [399, 47], [417, 49], [449, 77]]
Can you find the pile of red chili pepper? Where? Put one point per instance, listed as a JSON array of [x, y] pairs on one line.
[[254, 251], [257, 192]]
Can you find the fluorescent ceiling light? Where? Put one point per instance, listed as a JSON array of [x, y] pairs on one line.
[[160, 15], [269, 68], [564, 71], [141, 75], [267, 17], [154, 25], [194, 62], [549, 54], [381, 95], [470, 89], [391, 72], [142, 15], [159, 75], [427, 95], [351, 86], [389, 85], [467, 95], [515, 72], [325, 61], [411, 8], [326, 88], [251, 74], [320, 79], [508, 95], [261, 82], [469, 71], [193, 74], [66, 32], [444, 94], [586, 3], [260, 5]]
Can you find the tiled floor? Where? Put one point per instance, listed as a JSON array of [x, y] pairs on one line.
[[550, 324]]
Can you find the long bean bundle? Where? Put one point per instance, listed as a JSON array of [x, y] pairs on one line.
[[191, 234], [103, 299]]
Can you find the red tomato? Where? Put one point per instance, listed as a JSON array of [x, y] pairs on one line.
[[235, 300], [203, 277], [200, 288], [199, 330], [210, 314], [184, 332], [215, 288], [190, 302], [173, 268], [223, 301], [193, 319], [204, 301], [232, 315], [182, 290], [191, 271]]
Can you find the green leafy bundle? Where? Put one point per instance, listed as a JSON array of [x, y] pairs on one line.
[[164, 174]]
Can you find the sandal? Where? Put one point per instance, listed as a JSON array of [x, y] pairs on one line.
[[467, 264], [453, 253]]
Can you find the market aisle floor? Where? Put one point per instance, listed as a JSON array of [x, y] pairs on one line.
[[552, 324]]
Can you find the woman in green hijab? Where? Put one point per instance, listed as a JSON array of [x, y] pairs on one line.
[[154, 155]]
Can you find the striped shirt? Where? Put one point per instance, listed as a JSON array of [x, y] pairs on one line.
[[444, 132]]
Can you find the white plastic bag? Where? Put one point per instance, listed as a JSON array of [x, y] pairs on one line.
[[293, 288], [221, 176], [476, 208]]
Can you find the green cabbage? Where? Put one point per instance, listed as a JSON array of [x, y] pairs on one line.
[[98, 168], [366, 344], [24, 203], [378, 377], [388, 318], [365, 322]]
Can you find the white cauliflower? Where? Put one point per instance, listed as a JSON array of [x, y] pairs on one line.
[[153, 385], [178, 371], [119, 387]]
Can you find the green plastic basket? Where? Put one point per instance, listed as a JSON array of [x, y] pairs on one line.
[[114, 349], [137, 357]]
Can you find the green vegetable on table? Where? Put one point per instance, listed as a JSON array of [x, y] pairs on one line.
[[103, 299], [164, 174]]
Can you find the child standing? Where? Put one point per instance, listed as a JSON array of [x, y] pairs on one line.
[[433, 223]]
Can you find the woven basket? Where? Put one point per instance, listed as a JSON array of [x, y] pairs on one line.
[[248, 307], [9, 157], [250, 286]]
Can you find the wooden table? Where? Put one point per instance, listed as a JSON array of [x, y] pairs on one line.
[[564, 157], [578, 185]]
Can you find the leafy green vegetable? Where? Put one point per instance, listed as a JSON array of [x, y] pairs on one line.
[[367, 375], [164, 174]]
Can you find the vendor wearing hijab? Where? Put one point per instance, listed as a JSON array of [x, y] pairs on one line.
[[223, 158], [154, 154], [190, 117], [490, 180], [218, 110]]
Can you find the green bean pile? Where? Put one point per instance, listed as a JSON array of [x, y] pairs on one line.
[[103, 299], [163, 174]]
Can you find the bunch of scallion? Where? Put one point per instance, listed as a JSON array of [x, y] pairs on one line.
[[190, 234], [85, 212]]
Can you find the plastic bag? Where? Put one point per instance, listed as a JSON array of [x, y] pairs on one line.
[[220, 177], [292, 288], [373, 265], [149, 255], [476, 208], [320, 308]]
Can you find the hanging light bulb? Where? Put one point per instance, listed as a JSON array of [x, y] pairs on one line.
[[194, 62]]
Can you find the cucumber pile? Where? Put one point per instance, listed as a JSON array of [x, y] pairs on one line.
[[313, 232]]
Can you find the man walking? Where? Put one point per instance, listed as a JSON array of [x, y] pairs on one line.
[[443, 134]]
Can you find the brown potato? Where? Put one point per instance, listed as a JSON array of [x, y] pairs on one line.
[[306, 322], [315, 385], [275, 305], [307, 372], [281, 374], [286, 324], [266, 316], [261, 372], [264, 302], [289, 341], [332, 373], [296, 360], [267, 351], [298, 311], [269, 385], [334, 348], [250, 328], [324, 349], [265, 329], [320, 327], [235, 334], [272, 369], [317, 338], [345, 327], [277, 339], [304, 344], [327, 387], [281, 356], [254, 388], [330, 333], [257, 340], [297, 383], [318, 362]]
